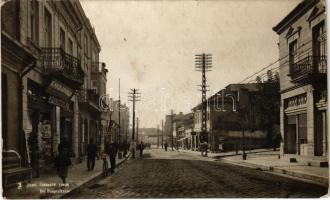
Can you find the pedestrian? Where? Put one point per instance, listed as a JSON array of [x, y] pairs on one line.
[[133, 148], [91, 155], [165, 146], [63, 159], [125, 148], [141, 147], [112, 152]]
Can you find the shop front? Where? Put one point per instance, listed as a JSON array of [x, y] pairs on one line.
[[51, 118]]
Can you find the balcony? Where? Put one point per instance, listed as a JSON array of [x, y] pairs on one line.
[[89, 99], [98, 67], [63, 66], [310, 68]]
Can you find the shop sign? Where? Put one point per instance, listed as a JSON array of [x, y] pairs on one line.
[[58, 102], [59, 87]]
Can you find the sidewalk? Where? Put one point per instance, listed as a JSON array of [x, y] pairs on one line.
[[50, 185], [267, 160]]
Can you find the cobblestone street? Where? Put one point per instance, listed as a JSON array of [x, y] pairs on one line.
[[175, 174]]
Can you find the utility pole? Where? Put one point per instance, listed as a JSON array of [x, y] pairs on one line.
[[119, 108], [137, 129], [158, 136], [172, 129], [203, 64], [162, 134], [134, 97]]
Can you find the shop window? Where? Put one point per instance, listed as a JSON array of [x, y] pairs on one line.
[[4, 100]]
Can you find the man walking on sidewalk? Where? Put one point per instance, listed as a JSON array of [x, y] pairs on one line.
[[141, 147], [166, 146], [91, 155], [112, 155]]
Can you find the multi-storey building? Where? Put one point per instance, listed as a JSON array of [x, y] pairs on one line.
[[48, 51], [303, 78], [184, 127], [120, 135], [249, 107]]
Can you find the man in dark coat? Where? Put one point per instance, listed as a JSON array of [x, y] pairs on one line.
[[165, 146], [112, 152], [141, 147], [63, 159], [125, 148], [91, 155]]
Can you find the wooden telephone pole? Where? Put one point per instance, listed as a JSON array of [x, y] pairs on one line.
[[133, 96], [162, 134]]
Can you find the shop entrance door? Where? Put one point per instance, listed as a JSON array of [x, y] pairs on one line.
[[66, 129], [320, 137]]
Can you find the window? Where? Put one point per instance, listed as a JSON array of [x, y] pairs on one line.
[[4, 100], [293, 52], [78, 53], [319, 40], [320, 47], [48, 29], [85, 82], [86, 45], [94, 84], [34, 21], [62, 39], [94, 57], [70, 47]]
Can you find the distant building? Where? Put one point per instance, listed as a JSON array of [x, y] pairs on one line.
[[303, 76], [250, 107], [184, 127], [124, 122], [150, 135]]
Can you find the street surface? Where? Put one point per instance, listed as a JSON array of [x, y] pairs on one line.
[[175, 174]]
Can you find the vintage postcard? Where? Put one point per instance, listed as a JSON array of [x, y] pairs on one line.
[[164, 99]]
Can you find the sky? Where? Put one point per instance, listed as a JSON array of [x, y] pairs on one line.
[[151, 46]]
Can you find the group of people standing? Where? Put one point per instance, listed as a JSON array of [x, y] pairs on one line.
[[62, 160]]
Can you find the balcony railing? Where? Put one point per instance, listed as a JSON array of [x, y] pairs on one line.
[[89, 96], [99, 67], [57, 62], [307, 67]]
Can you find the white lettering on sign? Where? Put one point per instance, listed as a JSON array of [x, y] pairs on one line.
[[61, 88], [58, 102]]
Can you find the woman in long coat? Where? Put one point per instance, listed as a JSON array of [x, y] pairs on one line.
[[63, 160]]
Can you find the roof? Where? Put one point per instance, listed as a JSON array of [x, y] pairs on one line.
[[297, 12], [251, 87]]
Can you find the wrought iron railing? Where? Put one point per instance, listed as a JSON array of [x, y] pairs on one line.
[[89, 95], [308, 66], [98, 67], [57, 61]]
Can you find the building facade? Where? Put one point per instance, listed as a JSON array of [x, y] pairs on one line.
[[120, 134], [303, 78], [250, 108], [48, 51]]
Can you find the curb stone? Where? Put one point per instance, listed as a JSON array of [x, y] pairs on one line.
[[276, 170]]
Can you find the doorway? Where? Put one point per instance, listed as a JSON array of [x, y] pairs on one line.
[[320, 137]]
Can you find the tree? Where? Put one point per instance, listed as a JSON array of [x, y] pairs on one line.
[[258, 79], [277, 77], [270, 77]]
